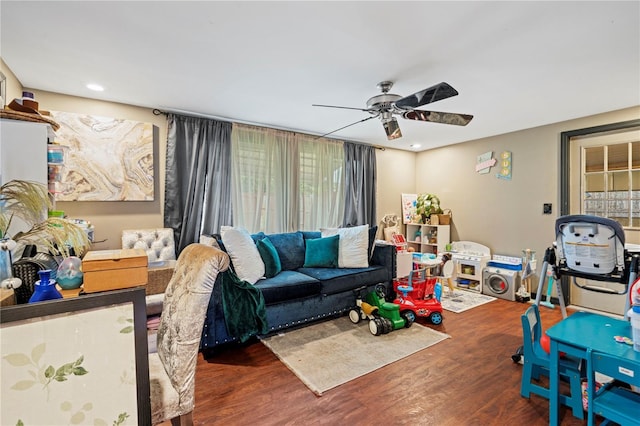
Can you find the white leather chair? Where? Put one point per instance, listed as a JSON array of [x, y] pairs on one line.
[[172, 368], [160, 247], [158, 243]]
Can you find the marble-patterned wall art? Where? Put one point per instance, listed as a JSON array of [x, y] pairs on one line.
[[106, 159]]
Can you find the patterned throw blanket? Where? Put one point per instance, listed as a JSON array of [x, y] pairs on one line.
[[244, 307]]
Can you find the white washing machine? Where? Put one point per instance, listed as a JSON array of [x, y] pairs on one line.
[[500, 282]]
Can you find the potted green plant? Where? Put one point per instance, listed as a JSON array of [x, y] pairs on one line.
[[426, 205], [30, 201]]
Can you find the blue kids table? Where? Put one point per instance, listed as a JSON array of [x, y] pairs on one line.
[[577, 333]]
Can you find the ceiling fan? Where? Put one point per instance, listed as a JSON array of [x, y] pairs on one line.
[[387, 105]]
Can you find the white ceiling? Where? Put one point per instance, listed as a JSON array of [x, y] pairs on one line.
[[516, 65]]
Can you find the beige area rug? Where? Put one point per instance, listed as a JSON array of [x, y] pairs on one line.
[[463, 300], [327, 354]]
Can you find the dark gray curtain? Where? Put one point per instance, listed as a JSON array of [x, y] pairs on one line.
[[197, 196], [360, 184]]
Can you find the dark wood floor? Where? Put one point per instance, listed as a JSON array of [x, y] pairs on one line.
[[469, 379]]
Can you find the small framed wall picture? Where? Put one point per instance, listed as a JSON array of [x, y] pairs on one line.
[[505, 166]]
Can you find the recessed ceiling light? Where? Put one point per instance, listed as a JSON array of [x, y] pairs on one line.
[[95, 87]]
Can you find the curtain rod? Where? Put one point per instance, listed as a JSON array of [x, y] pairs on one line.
[[157, 111]]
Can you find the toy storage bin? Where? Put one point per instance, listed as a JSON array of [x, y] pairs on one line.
[[55, 153], [55, 172]]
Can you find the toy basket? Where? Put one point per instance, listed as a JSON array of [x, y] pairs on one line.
[[27, 269], [441, 219]]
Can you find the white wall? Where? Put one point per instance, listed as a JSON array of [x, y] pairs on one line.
[[396, 175], [505, 215]]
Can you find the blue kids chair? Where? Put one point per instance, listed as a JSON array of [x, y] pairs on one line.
[[612, 401], [536, 363]]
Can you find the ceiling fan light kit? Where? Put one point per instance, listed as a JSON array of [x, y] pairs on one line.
[[392, 128], [386, 105]]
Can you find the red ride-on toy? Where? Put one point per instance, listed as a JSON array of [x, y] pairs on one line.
[[419, 296]]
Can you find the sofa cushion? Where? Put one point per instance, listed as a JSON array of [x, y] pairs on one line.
[[322, 252], [290, 248], [257, 237], [343, 279], [373, 231], [309, 235], [269, 255], [243, 252], [354, 245], [288, 285]]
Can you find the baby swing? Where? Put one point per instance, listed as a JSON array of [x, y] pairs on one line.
[[589, 248]]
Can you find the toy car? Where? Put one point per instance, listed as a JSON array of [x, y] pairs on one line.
[[383, 316], [419, 298]]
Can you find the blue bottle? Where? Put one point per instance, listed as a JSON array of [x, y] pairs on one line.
[[45, 288]]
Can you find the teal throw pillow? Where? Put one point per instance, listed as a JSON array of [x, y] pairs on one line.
[[269, 255], [322, 252]]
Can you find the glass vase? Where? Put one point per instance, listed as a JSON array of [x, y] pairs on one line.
[[45, 288]]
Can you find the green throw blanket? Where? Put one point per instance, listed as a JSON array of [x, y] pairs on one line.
[[244, 307]]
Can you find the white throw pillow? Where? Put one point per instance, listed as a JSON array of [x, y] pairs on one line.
[[354, 245], [243, 253]]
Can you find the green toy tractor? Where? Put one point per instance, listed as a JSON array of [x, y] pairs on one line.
[[383, 316]]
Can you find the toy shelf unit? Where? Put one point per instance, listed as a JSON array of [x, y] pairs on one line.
[[428, 238], [469, 259]]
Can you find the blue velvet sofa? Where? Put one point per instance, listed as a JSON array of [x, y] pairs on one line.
[[298, 295]]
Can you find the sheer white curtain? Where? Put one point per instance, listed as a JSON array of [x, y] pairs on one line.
[[284, 181], [321, 183]]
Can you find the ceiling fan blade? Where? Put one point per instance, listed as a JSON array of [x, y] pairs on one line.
[[348, 125], [438, 117], [342, 107], [432, 94], [392, 129]]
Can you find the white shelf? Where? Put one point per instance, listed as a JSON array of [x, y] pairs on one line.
[[433, 238]]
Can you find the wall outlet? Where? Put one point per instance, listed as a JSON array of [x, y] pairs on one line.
[[546, 208]]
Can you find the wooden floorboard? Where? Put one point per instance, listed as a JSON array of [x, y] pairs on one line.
[[469, 379]]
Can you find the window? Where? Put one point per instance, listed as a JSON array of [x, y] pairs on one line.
[[611, 181], [284, 181]]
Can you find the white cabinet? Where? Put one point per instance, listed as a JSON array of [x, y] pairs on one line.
[[23, 156], [404, 264], [428, 238], [23, 151], [468, 273], [470, 259]]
